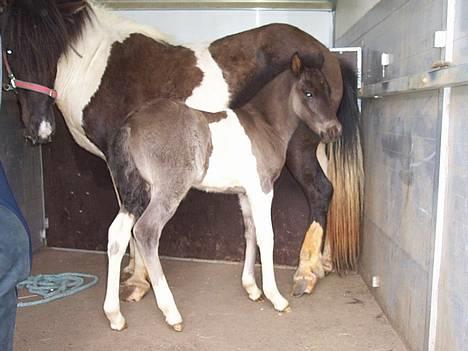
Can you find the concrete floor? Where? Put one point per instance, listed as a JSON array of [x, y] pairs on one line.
[[340, 315]]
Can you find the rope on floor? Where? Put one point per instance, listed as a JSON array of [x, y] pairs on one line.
[[51, 287]]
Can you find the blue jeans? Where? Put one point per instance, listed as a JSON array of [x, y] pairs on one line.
[[14, 267]]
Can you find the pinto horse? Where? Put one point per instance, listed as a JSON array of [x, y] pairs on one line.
[[103, 68], [165, 148]]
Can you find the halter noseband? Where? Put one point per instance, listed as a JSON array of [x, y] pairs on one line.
[[20, 84]]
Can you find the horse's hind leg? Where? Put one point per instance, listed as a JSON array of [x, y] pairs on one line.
[[136, 286], [248, 274], [303, 164], [128, 270], [119, 235], [147, 232]]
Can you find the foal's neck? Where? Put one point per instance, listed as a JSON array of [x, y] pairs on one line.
[[272, 103]]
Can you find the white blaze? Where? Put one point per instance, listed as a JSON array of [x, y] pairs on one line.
[[45, 130]]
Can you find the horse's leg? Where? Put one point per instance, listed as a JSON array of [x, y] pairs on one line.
[[303, 163], [119, 235], [128, 270], [260, 205], [147, 232], [137, 285], [327, 261], [248, 274]]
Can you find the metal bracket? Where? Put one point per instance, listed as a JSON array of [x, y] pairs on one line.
[[435, 79]]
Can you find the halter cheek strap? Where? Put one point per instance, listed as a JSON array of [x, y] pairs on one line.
[[20, 84]]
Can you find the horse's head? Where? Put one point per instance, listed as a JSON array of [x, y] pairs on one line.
[[35, 34], [310, 97]]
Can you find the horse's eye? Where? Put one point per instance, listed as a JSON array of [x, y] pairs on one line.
[[308, 94], [9, 52]]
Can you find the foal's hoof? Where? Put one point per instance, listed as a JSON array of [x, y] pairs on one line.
[[304, 285], [256, 295], [261, 298], [132, 293], [178, 327], [119, 326]]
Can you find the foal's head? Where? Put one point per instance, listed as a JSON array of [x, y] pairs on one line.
[[311, 99], [35, 34]]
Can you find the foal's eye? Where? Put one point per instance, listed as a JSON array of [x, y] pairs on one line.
[[308, 94]]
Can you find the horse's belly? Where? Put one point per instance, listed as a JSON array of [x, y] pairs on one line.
[[232, 166]]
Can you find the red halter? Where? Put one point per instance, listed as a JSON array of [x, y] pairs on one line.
[[20, 84]]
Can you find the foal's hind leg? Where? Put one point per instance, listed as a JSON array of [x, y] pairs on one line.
[[119, 235], [248, 274], [303, 164], [147, 232]]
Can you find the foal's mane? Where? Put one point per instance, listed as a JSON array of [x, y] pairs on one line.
[[38, 32]]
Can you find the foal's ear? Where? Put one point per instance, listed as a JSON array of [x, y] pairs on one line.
[[70, 7], [296, 64]]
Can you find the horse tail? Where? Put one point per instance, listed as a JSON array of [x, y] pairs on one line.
[[345, 171], [134, 191]]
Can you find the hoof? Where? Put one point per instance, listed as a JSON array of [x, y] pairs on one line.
[[287, 309], [119, 326], [178, 327], [261, 298], [304, 285], [282, 305], [132, 293], [256, 295], [327, 266]]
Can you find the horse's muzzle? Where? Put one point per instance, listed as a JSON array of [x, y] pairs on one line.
[[37, 140], [331, 132]]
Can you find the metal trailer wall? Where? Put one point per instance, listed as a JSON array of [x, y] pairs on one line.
[[452, 322], [401, 154], [23, 166]]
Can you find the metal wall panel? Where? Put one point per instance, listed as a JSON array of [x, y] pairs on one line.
[[23, 167], [460, 53], [395, 27], [400, 154], [452, 324], [401, 159]]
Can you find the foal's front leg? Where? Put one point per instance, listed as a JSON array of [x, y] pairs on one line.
[[260, 204]]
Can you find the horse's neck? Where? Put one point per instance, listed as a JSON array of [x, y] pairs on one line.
[[272, 103]]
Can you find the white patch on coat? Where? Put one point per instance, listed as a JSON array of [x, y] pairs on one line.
[[322, 157], [212, 94], [45, 130], [79, 76], [232, 165]]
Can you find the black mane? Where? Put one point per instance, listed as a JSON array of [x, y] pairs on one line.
[[38, 32]]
